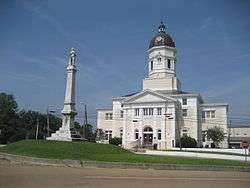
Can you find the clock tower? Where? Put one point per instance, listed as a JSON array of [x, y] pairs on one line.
[[162, 63]]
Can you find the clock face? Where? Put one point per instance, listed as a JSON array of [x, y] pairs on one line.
[[158, 39]]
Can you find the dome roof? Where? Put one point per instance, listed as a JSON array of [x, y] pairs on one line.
[[162, 38]]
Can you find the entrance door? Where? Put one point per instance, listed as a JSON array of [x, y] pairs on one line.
[[147, 139], [147, 136]]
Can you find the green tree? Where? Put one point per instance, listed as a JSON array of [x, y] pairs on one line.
[[27, 122], [188, 142], [8, 117], [20, 125], [216, 134]]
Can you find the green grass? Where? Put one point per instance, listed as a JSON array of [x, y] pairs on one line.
[[100, 152]]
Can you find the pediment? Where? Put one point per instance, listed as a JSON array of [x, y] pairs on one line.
[[148, 96]]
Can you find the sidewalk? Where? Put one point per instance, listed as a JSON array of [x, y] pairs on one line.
[[195, 154]]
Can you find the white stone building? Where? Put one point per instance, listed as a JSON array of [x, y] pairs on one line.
[[161, 112]]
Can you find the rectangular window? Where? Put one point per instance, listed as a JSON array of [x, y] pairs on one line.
[[121, 115], [203, 115], [110, 135], [158, 111], [210, 114], [108, 116], [151, 111], [121, 133], [184, 101], [213, 114], [203, 136], [106, 136], [148, 111], [169, 64], [137, 135], [152, 65], [137, 112], [159, 135], [184, 112], [145, 111]]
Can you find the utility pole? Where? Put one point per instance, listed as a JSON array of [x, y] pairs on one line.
[[37, 127], [229, 132], [86, 115], [179, 130], [48, 121], [85, 121]]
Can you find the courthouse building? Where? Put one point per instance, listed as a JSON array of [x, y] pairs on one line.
[[161, 111]]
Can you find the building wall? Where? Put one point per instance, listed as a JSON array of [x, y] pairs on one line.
[[171, 83], [237, 135], [220, 120], [239, 132], [103, 123], [156, 122], [190, 124]]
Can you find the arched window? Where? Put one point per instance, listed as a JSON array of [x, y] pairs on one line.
[[152, 65], [147, 129], [169, 64], [136, 134], [121, 132], [159, 134]]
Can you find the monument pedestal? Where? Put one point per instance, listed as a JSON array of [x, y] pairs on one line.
[[63, 134]]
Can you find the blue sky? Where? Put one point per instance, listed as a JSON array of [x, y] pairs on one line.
[[111, 38]]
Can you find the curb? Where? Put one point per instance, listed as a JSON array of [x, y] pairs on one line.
[[98, 164]]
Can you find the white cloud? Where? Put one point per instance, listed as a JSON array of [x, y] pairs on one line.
[[206, 23]]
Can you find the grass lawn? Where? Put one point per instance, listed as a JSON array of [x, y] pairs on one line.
[[100, 152]]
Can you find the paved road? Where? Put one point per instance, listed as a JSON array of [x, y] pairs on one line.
[[15, 175]]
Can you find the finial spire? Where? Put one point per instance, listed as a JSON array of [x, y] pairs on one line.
[[162, 27]]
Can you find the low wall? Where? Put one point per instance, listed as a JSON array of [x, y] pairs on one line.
[[99, 164], [238, 151]]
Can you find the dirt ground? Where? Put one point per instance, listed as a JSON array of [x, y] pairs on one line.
[[28, 176]]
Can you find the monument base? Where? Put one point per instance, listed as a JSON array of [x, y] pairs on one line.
[[63, 134]]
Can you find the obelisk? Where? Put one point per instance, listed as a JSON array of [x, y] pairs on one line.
[[68, 112]]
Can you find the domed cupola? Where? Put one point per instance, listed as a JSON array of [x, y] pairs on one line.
[[162, 38]]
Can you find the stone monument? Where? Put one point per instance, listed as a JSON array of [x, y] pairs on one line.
[[68, 112]]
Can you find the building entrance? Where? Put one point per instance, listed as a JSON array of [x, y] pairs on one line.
[[148, 136]]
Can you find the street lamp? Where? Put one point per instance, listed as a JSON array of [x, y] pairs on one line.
[[85, 118]]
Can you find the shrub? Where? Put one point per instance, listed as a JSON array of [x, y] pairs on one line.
[[115, 141], [188, 142]]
